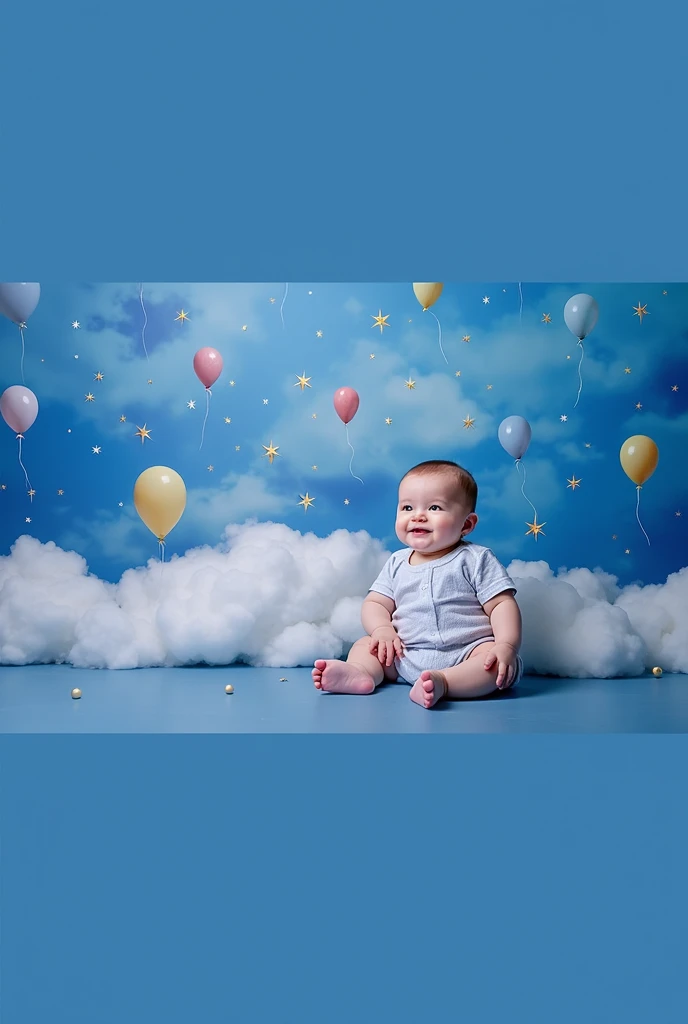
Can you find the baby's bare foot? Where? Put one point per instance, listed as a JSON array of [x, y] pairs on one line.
[[341, 677], [428, 688]]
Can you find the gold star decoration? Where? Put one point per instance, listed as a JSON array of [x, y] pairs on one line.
[[228, 419], [270, 452], [468, 422], [123, 419], [627, 369], [89, 397], [318, 334], [182, 316], [410, 384], [143, 433], [31, 493], [306, 500], [60, 491], [98, 376], [546, 318], [211, 469], [640, 311], [302, 381], [388, 421], [535, 528], [380, 321], [466, 338], [573, 483]]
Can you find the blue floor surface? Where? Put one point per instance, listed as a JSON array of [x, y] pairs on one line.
[[37, 699]]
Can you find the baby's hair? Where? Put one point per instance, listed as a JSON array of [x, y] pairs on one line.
[[460, 476]]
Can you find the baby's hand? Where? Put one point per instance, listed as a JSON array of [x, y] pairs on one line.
[[385, 641], [505, 656]]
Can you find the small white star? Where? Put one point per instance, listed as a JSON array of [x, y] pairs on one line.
[[96, 450], [563, 419], [191, 404], [76, 325], [486, 299], [28, 519], [76, 357], [265, 401], [121, 504]]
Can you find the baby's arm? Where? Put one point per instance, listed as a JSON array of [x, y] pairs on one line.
[[376, 617], [505, 619]]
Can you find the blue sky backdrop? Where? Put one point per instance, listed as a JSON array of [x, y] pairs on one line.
[[511, 355]]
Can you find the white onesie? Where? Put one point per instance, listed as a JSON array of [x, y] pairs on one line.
[[438, 614]]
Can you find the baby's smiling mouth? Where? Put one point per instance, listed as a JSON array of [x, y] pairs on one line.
[[419, 529]]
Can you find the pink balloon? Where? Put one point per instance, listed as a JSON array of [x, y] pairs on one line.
[[208, 365], [19, 408], [346, 404]]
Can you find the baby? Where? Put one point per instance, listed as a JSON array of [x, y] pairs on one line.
[[441, 615]]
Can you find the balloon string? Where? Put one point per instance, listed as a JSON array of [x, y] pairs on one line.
[[439, 328], [145, 321], [519, 467], [161, 545], [208, 393], [346, 427], [21, 331], [286, 289], [637, 506], [520, 312], [580, 379], [20, 438]]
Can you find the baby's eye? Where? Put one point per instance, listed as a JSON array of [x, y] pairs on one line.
[[434, 506], [406, 508]]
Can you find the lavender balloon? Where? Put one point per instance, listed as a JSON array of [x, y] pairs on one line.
[[514, 436], [18, 301], [580, 314], [19, 408]]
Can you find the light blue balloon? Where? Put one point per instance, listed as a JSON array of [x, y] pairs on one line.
[[514, 436], [581, 313], [18, 300]]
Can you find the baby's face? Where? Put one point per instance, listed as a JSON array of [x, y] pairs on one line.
[[432, 514]]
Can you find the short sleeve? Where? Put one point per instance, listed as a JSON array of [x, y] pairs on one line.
[[491, 578], [383, 584]]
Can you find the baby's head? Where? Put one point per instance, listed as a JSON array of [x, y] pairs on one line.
[[436, 507]]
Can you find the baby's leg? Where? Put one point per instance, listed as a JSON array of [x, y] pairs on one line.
[[460, 682], [360, 673]]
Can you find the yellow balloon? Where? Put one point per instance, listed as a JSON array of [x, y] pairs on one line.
[[160, 499], [639, 457], [428, 294]]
